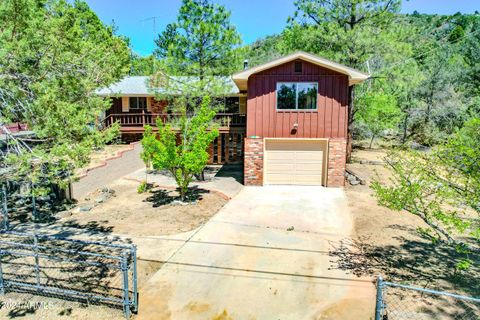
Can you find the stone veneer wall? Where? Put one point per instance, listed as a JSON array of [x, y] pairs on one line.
[[253, 162], [337, 157]]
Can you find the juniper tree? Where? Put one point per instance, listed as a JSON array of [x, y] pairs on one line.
[[442, 187], [53, 55]]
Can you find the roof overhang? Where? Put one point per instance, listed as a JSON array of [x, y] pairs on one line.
[[354, 76]]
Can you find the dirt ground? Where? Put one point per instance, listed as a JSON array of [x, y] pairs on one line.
[[384, 243], [153, 213], [390, 244], [126, 213]]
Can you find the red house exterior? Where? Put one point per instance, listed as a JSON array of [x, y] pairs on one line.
[[286, 120], [303, 145]]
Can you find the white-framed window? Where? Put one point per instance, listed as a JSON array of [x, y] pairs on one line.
[[297, 95], [138, 103]]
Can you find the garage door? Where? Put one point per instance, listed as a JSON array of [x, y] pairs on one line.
[[297, 162]]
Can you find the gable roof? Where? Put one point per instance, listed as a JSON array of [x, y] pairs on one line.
[[354, 76], [128, 86], [139, 86]]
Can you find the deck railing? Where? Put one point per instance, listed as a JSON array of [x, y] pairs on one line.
[[141, 119]]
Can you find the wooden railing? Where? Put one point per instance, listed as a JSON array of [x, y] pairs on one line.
[[141, 119]]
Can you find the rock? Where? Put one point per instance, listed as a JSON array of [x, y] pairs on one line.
[[102, 198], [63, 214], [376, 162], [419, 147], [43, 198], [363, 161], [181, 203], [85, 207], [354, 182]]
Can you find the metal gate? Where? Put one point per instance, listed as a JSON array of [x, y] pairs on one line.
[[81, 270], [400, 302]]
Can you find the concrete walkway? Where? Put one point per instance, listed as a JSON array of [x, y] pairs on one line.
[[226, 179], [265, 255]]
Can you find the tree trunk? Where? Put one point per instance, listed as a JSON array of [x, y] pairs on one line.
[[405, 128], [183, 193], [371, 141], [351, 96]]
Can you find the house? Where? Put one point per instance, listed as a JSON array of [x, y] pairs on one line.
[[286, 119], [134, 105]]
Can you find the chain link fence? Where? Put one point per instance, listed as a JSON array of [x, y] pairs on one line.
[[87, 271], [401, 302]]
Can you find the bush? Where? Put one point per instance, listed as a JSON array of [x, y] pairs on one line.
[[143, 187]]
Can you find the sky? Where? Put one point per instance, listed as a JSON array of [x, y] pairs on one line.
[[253, 18]]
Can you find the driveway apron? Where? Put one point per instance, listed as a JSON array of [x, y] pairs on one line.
[[265, 255]]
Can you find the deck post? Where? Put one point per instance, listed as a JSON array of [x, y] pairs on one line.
[[227, 144], [219, 148], [234, 139]]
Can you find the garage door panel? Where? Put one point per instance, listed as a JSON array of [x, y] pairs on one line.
[[311, 168], [280, 178], [294, 162], [294, 145], [281, 155], [313, 155], [303, 179], [280, 168]]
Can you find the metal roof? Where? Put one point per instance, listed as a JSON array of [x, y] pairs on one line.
[[139, 86]]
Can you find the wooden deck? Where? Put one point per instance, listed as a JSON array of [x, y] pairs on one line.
[[228, 147], [135, 122]]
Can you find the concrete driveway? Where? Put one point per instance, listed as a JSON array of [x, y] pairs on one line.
[[265, 255]]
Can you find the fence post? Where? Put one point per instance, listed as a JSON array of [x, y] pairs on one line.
[[126, 301], [37, 260], [34, 204], [2, 284], [379, 300], [5, 208], [134, 277]]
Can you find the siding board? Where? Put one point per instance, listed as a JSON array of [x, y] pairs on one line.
[[335, 103], [329, 120]]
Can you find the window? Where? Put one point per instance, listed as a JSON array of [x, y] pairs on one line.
[[298, 67], [297, 95], [138, 103], [232, 104]]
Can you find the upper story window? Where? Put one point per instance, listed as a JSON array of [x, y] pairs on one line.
[[297, 95], [138, 103]]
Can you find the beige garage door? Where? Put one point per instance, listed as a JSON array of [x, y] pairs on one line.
[[298, 162]]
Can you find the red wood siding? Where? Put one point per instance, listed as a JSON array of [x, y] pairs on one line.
[[116, 106], [328, 121]]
